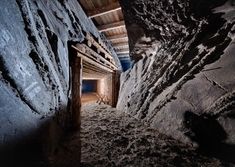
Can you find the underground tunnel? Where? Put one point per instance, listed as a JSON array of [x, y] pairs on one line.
[[117, 83], [89, 91]]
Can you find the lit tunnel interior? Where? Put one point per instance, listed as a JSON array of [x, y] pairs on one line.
[[117, 83], [89, 90]]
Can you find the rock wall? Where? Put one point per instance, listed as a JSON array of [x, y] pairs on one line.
[[35, 38], [183, 79]]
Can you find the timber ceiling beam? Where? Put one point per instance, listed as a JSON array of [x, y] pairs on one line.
[[117, 37], [91, 53], [125, 49], [111, 26], [122, 51], [121, 44], [90, 59], [87, 76], [104, 10], [99, 45], [89, 66], [124, 56]]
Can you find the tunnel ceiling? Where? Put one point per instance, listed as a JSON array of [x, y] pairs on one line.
[[107, 16], [92, 72]]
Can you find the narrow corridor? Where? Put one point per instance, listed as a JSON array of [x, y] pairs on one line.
[[112, 138]]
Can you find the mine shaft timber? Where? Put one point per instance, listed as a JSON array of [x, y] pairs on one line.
[[117, 83]]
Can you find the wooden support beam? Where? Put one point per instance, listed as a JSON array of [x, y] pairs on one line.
[[100, 46], [111, 26], [115, 87], [122, 52], [92, 41], [93, 68], [94, 62], [104, 10], [91, 60], [119, 41], [92, 76], [121, 44], [84, 49], [116, 37], [76, 91], [90, 70], [123, 56]]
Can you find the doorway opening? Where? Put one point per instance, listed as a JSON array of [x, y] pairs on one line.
[[97, 87], [89, 91]]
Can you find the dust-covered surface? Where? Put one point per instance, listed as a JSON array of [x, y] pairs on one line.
[[112, 138]]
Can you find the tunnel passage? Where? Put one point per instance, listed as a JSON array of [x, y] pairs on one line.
[[99, 77], [183, 52], [89, 91], [97, 85], [89, 86]]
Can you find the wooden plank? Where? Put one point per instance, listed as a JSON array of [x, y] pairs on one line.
[[92, 74], [91, 53], [101, 47], [92, 60], [93, 68], [122, 52], [111, 26], [121, 44], [124, 56], [94, 63], [124, 49], [104, 10], [76, 91], [116, 37], [115, 88]]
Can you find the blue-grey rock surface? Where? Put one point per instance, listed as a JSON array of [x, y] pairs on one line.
[[34, 68]]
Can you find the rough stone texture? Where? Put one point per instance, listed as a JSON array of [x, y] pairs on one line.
[[183, 81], [34, 68]]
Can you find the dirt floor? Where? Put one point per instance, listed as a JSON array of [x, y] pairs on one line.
[[110, 138]]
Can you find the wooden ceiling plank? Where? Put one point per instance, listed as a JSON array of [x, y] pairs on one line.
[[93, 62], [83, 49], [111, 26], [116, 37], [124, 56], [104, 10], [121, 44], [122, 52]]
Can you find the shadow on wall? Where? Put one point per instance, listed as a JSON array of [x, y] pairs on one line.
[[210, 136], [35, 148]]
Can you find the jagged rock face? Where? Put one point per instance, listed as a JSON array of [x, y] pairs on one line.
[[34, 66], [184, 54], [34, 79]]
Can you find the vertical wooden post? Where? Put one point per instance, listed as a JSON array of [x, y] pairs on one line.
[[115, 87], [76, 91]]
